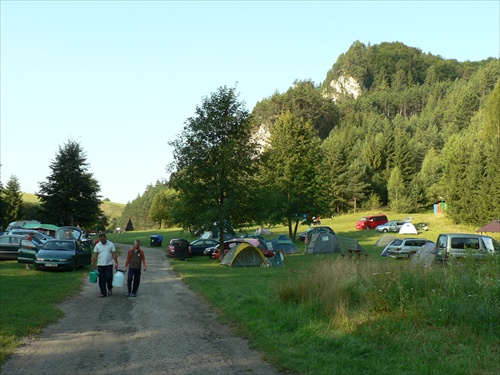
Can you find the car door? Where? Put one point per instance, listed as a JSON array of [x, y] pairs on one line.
[[9, 246], [412, 246], [83, 254], [391, 226], [26, 253]]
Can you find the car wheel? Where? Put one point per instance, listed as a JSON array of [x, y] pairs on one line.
[[74, 267], [385, 230]]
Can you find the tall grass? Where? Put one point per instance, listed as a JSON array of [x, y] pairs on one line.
[[350, 293]]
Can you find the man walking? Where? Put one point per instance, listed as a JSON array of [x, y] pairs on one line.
[[104, 254], [135, 257]]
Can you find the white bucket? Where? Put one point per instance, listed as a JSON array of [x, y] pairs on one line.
[[118, 279]]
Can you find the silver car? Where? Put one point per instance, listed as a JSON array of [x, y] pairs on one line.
[[404, 248], [42, 237], [390, 226], [464, 245]]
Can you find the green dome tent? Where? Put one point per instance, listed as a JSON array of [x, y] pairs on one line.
[[326, 242], [284, 243], [278, 260]]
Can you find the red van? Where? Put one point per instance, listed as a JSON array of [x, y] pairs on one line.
[[371, 221]]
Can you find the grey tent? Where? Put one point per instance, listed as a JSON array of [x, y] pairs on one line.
[[385, 240], [425, 255], [284, 243], [326, 242], [323, 243]]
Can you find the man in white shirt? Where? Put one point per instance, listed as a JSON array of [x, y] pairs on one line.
[[104, 254]]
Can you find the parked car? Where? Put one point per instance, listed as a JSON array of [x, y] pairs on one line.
[[313, 230], [390, 226], [209, 251], [461, 245], [61, 255], [371, 221], [42, 237], [171, 247], [198, 246], [69, 250], [179, 248], [404, 248], [9, 245]]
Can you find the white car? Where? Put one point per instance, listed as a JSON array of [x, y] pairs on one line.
[[404, 248]]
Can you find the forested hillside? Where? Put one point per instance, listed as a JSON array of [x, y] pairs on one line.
[[397, 127], [420, 129]]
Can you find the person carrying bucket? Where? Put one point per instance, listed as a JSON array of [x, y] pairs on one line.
[[135, 257], [104, 255]]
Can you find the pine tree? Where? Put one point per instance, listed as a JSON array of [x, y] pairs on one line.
[[291, 170], [13, 200], [70, 194]]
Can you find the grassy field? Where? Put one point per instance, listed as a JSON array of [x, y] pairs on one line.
[[320, 314]]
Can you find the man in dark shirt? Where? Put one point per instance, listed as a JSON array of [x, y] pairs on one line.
[[135, 257]]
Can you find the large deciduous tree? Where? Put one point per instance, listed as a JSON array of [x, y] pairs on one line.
[[70, 194], [160, 210], [291, 170], [214, 161]]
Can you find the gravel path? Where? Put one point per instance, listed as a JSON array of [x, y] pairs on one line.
[[166, 329]]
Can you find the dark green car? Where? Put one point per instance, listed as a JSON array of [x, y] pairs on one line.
[[66, 252]]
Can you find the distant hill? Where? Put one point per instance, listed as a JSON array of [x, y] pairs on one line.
[[112, 210]]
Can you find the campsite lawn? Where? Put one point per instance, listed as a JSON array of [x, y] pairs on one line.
[[320, 314]]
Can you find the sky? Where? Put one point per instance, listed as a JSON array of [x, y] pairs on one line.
[[122, 77]]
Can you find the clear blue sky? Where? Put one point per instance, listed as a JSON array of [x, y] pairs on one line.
[[121, 77]]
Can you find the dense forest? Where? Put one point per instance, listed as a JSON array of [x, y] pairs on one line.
[[397, 128]]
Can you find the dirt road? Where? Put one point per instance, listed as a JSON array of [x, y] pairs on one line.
[[166, 329]]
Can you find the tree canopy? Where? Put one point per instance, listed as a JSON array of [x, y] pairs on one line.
[[214, 162], [290, 171]]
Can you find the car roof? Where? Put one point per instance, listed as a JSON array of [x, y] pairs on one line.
[[61, 240], [12, 235]]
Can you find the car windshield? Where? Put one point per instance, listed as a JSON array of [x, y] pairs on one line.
[[363, 219], [59, 245], [491, 244]]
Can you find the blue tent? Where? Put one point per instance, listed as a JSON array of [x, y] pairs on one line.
[[284, 243]]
